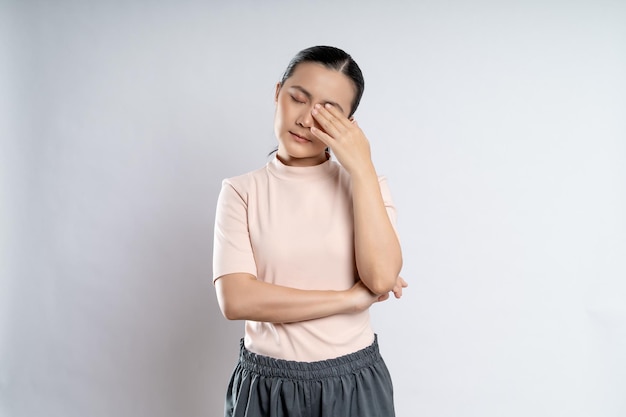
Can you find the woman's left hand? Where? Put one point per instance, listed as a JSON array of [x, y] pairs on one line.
[[344, 137], [400, 284]]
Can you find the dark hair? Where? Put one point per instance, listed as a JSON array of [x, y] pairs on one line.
[[331, 58]]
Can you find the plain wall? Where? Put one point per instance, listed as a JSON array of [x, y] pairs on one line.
[[500, 126]]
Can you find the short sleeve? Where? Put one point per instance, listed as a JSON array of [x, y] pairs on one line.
[[232, 250], [389, 205]]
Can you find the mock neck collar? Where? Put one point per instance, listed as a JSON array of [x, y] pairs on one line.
[[288, 172]]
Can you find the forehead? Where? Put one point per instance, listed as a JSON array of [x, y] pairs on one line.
[[323, 84]]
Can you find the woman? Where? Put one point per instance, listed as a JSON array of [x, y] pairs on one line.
[[303, 247]]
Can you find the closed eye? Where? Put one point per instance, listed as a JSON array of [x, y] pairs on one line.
[[297, 100]]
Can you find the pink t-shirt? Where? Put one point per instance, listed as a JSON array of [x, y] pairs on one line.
[[293, 226]]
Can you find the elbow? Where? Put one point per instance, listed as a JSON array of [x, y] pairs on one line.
[[384, 279], [382, 286], [232, 310], [231, 313], [230, 304], [381, 282]]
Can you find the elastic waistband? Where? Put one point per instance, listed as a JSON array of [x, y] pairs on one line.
[[343, 365]]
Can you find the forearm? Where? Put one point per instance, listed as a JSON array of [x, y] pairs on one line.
[[377, 249], [243, 297]]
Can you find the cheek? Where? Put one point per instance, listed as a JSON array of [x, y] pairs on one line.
[[279, 115], [277, 122], [282, 113]]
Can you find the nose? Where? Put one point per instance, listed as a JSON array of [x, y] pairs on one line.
[[305, 118]]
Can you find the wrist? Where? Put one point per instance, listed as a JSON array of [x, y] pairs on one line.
[[364, 171]]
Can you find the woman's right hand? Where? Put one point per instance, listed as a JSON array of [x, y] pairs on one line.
[[362, 298]]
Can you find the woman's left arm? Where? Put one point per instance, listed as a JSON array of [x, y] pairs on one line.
[[377, 249]]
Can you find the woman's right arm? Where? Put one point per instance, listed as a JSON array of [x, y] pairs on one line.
[[243, 297]]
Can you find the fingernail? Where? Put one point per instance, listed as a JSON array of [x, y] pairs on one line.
[[317, 106]]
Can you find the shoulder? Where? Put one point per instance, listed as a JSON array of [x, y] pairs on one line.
[[244, 182], [242, 188]]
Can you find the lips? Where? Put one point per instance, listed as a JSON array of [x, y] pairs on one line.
[[298, 137]]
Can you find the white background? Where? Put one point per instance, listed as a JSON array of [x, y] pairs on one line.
[[501, 127]]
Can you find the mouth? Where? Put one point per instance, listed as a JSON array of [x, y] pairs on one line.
[[299, 138]]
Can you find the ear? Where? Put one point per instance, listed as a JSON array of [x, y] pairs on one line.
[[277, 91]]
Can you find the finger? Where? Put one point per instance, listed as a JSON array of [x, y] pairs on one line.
[[338, 115], [400, 284], [403, 282], [397, 292], [328, 121], [325, 123], [323, 136]]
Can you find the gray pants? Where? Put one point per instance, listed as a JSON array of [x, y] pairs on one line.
[[357, 384]]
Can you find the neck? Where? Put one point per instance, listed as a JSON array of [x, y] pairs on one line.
[[303, 162]]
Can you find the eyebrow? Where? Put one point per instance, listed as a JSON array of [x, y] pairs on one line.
[[310, 96]]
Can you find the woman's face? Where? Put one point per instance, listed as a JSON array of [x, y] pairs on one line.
[[310, 83]]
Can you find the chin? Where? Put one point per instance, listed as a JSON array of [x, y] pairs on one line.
[[301, 154]]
